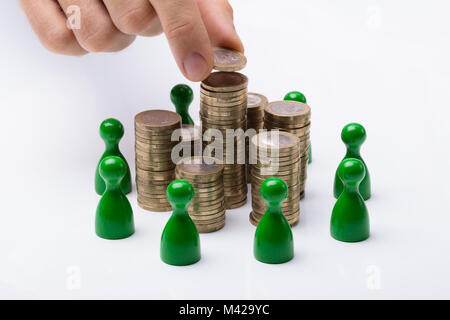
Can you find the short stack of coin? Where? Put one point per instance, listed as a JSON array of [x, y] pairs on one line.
[[293, 117], [255, 119], [191, 141], [207, 209], [278, 155], [154, 166], [223, 105]]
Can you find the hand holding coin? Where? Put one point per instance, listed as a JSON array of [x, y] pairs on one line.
[[192, 27]]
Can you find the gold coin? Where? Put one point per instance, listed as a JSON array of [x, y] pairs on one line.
[[200, 166], [234, 180], [223, 95], [157, 175], [152, 187], [236, 205], [266, 161], [223, 113], [283, 142], [206, 203], [148, 184], [228, 59], [225, 81], [286, 110], [256, 100], [158, 119], [217, 108], [223, 127], [154, 208], [194, 207], [156, 201], [207, 214], [190, 133], [206, 211], [271, 124], [201, 217], [223, 103], [291, 169], [205, 185], [153, 196], [253, 221], [223, 118], [210, 228], [153, 156], [155, 166], [218, 121], [218, 219]]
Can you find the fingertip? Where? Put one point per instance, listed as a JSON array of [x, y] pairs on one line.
[[196, 67]]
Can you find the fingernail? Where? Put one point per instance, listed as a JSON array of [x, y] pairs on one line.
[[195, 66]]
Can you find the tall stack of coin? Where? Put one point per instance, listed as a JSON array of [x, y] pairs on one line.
[[154, 166], [191, 141], [278, 155], [255, 119], [207, 209], [223, 106], [293, 117]]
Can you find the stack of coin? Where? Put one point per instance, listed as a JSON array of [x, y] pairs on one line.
[[255, 120], [293, 117], [278, 155], [154, 166], [191, 141], [223, 106], [207, 209]]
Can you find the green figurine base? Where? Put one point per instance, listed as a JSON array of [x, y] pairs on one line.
[[114, 216], [300, 97], [180, 242], [273, 242], [111, 131], [182, 96], [353, 135], [350, 218]]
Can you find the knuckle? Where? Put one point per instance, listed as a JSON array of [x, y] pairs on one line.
[[97, 37], [179, 29], [134, 21], [57, 40]]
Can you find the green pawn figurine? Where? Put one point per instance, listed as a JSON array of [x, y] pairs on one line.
[[114, 217], [273, 237], [353, 135], [300, 97], [111, 131], [182, 96], [180, 243], [350, 219]]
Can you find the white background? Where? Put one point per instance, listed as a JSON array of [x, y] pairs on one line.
[[384, 64]]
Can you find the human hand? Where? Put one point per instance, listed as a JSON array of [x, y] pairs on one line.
[[192, 27]]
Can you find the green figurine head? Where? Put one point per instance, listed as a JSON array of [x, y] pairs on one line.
[[181, 95], [351, 171], [353, 135], [295, 96], [112, 169], [274, 191], [180, 193], [111, 131]]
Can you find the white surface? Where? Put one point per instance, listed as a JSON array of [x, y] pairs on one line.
[[384, 64]]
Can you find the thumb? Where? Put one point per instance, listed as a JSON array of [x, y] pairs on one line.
[[188, 39]]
